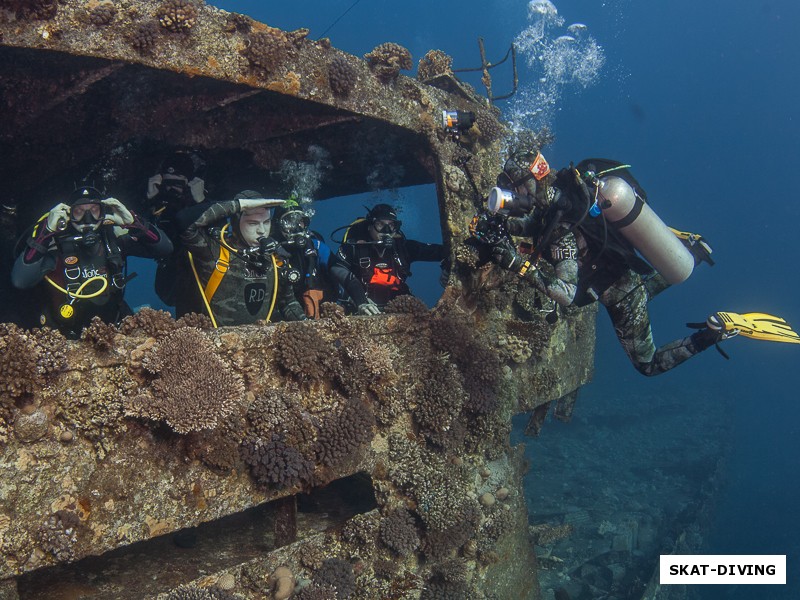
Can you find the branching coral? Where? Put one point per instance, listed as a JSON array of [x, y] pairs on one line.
[[342, 76], [100, 334], [440, 398], [439, 544], [31, 9], [177, 16], [489, 125], [342, 435], [407, 305], [434, 63], [145, 37], [304, 353], [187, 592], [197, 320], [153, 323], [194, 388], [387, 60], [26, 359], [267, 49], [275, 464], [399, 532], [316, 591], [58, 535], [338, 574], [102, 14]]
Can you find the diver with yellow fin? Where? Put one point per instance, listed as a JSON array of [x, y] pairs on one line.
[[758, 326], [597, 239]]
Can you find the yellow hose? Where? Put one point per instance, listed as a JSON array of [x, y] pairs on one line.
[[77, 294], [202, 293]]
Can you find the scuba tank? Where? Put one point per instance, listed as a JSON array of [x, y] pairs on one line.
[[627, 212]]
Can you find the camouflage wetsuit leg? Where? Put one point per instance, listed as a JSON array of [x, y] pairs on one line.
[[626, 302]]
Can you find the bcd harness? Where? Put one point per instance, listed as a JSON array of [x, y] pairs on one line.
[[221, 267], [608, 253]]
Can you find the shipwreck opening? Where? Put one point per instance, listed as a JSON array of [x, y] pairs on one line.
[[165, 562], [72, 120]]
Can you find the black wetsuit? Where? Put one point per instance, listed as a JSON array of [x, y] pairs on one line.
[[624, 288], [245, 292], [69, 259], [378, 271]]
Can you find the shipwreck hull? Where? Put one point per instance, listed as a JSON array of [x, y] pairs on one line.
[[112, 440]]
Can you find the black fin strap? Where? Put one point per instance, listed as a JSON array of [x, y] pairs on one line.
[[702, 325], [722, 352]]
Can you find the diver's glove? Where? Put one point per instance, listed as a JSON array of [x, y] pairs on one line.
[[311, 300], [117, 213], [251, 203], [369, 308], [505, 255], [57, 218]]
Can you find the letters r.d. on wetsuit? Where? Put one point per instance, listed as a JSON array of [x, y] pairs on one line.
[[235, 266], [374, 260]]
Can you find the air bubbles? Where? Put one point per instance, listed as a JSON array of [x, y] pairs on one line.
[[556, 59]]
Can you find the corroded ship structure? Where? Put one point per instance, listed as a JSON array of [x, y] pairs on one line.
[[357, 457]]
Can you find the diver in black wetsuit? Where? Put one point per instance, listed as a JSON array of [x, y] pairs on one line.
[[591, 266], [80, 250]]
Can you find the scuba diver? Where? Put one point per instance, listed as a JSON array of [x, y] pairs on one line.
[[374, 259], [173, 188], [80, 249], [591, 223], [238, 276], [306, 255]]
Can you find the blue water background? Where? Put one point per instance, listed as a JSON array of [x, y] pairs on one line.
[[702, 99]]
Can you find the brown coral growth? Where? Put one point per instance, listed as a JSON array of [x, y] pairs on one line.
[[267, 49], [342, 435], [399, 532], [387, 60], [338, 574], [304, 353], [102, 14], [434, 63], [26, 358], [153, 323], [100, 334], [31, 9], [177, 16], [194, 388], [145, 38], [342, 76], [274, 464]]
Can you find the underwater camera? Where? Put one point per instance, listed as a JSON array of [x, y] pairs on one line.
[[508, 202], [456, 121]]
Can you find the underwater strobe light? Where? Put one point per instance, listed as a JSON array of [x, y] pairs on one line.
[[456, 121], [508, 202]]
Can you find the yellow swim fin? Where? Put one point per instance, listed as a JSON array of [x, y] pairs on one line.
[[759, 326], [696, 244]]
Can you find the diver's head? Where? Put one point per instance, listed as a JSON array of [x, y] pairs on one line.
[[383, 224], [252, 224], [292, 223], [522, 172], [86, 209], [175, 171]]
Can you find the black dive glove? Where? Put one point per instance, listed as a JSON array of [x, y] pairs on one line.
[[505, 255]]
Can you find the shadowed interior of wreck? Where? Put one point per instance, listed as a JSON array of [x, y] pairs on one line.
[[70, 119], [162, 563]]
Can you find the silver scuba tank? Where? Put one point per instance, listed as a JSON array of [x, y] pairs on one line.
[[643, 228]]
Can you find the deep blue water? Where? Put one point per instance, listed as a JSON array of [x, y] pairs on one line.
[[701, 98]]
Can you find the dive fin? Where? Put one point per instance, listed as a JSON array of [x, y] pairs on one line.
[[759, 326], [696, 244]]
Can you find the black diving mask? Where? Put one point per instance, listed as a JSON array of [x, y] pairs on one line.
[[387, 227]]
